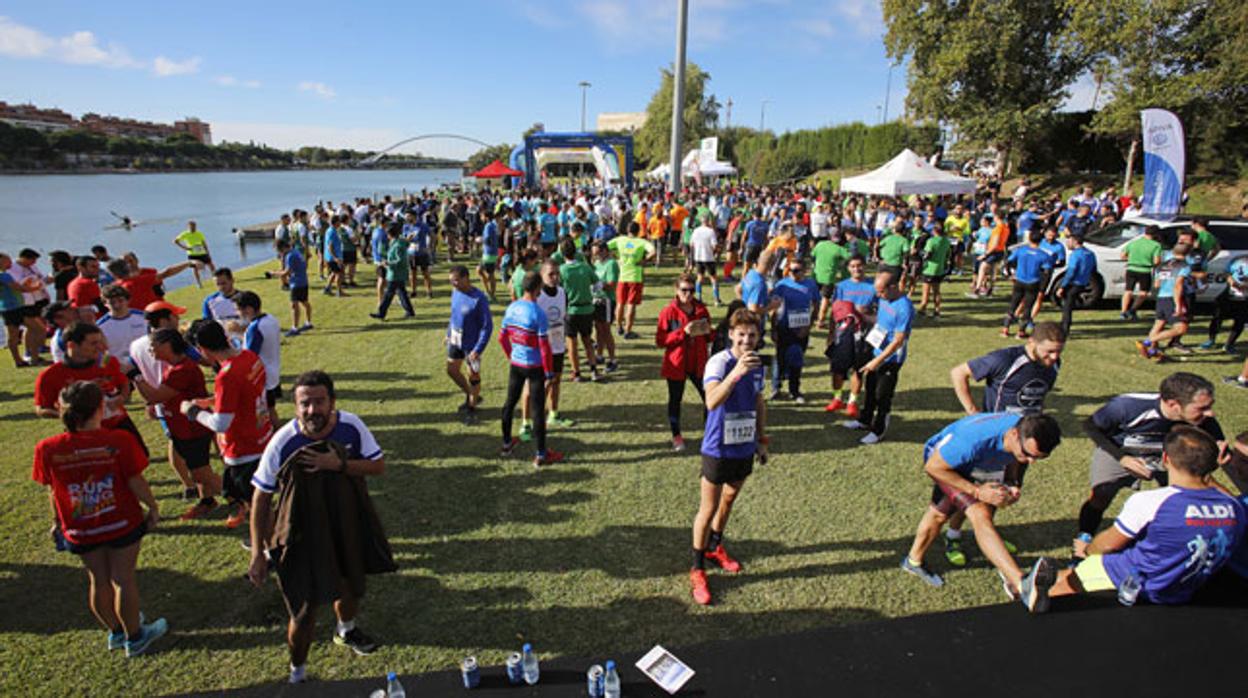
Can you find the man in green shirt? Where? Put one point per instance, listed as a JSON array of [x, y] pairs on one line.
[[936, 255], [1143, 254], [633, 252], [524, 264], [607, 270], [831, 260], [396, 274], [193, 242], [578, 280], [893, 249]]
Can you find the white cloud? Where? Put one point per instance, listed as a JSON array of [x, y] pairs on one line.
[[164, 67], [841, 17], [78, 48], [231, 81], [541, 15], [319, 89]]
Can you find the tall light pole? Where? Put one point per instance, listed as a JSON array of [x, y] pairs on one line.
[[878, 118], [762, 115], [584, 85], [678, 95], [888, 87]]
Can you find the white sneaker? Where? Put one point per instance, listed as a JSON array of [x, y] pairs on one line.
[[869, 440], [799, 399], [853, 424]]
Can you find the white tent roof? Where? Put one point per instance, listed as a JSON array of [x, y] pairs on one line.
[[908, 174], [692, 163]]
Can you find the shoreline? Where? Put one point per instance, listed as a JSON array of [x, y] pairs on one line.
[[128, 171]]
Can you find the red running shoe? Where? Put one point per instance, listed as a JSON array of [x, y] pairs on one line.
[[701, 590], [836, 405], [720, 557], [238, 517], [851, 410], [200, 509], [552, 456]]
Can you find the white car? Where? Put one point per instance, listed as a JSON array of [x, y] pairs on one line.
[[1109, 280]]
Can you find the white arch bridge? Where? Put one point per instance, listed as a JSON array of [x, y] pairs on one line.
[[377, 156]]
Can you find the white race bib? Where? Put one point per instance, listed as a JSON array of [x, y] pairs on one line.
[[798, 320], [556, 336], [739, 427], [457, 338], [876, 336]]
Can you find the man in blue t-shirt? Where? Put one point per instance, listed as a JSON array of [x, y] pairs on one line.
[[1080, 268], [977, 464], [1128, 433], [1167, 542], [735, 434], [798, 298], [332, 254], [295, 276], [467, 335], [845, 347], [888, 339], [1171, 278], [755, 237], [419, 236], [1028, 262]]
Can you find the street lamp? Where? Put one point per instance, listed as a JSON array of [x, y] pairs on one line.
[[878, 119], [584, 85], [762, 115]]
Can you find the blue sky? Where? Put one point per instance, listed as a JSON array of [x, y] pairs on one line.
[[366, 74]]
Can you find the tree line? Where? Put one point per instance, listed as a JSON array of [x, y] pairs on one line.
[[28, 149]]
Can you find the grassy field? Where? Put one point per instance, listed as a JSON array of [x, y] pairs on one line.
[[586, 558]]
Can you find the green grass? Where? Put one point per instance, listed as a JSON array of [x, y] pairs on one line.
[[587, 558]]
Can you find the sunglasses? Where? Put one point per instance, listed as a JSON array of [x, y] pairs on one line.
[[685, 289], [1022, 446]]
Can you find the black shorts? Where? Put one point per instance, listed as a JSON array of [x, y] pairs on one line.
[[298, 294], [1143, 279], [14, 317], [993, 257], [1046, 277], [420, 260], [603, 312], [558, 362], [272, 396], [1166, 312], [196, 453], [720, 471], [334, 266], [933, 279], [843, 353], [125, 540], [127, 424], [487, 267], [236, 481], [580, 325], [202, 258], [711, 268], [826, 291], [455, 353], [895, 271], [349, 257]]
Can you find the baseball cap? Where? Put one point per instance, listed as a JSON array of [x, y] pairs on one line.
[[157, 306]]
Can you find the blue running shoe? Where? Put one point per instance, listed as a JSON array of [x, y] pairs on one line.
[[151, 632], [921, 572], [117, 640]]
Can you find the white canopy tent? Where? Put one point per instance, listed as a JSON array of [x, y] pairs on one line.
[[694, 164], [908, 174]]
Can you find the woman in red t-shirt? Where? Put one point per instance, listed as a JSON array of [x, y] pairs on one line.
[[683, 332], [96, 476]]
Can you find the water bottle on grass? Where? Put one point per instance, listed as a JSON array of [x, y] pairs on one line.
[[611, 683], [1129, 589], [529, 662]]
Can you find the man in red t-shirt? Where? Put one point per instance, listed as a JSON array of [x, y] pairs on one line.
[[84, 291], [84, 347], [239, 413], [141, 282]]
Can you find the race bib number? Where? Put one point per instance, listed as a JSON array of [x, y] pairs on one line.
[[876, 337], [739, 427], [978, 475], [798, 320], [556, 335], [457, 338]]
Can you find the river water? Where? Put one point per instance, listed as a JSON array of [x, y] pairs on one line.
[[72, 212]]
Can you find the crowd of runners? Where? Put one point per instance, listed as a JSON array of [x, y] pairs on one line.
[[760, 273]]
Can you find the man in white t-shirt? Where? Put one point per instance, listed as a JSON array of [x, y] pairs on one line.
[[263, 336], [819, 220], [121, 325], [221, 305], [705, 247]]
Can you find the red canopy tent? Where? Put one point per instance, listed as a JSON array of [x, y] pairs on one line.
[[496, 169]]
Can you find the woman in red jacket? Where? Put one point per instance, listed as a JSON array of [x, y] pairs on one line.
[[684, 328], [96, 476]]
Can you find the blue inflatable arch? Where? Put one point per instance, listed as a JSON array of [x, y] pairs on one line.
[[524, 156]]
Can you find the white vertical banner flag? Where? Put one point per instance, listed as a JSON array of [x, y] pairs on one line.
[[1165, 159]]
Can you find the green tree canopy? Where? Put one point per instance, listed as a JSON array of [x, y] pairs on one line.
[[653, 140]]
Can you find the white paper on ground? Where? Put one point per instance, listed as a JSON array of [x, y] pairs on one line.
[[665, 669]]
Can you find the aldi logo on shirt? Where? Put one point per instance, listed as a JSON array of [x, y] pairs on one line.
[[1210, 515]]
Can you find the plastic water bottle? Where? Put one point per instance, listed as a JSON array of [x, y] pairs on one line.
[[1129, 590], [529, 662], [611, 683], [394, 689]]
